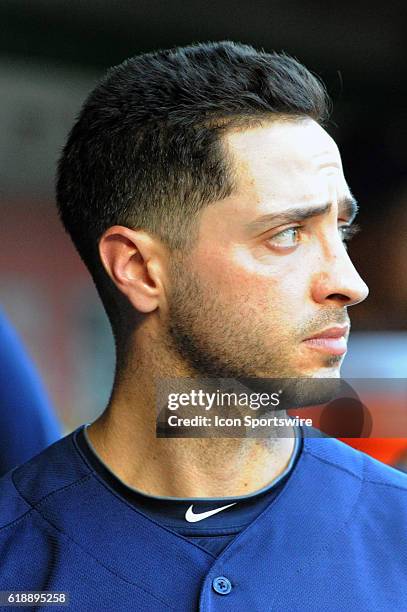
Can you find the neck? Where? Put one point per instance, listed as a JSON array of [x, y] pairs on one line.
[[125, 439]]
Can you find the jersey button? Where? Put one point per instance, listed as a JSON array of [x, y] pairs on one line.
[[222, 585]]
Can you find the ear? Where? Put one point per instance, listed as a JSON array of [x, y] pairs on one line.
[[132, 260]]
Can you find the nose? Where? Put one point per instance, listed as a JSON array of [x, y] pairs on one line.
[[338, 282]]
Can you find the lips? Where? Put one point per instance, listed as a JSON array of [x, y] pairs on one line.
[[332, 332], [332, 340]]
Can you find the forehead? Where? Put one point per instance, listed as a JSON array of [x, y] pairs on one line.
[[285, 160]]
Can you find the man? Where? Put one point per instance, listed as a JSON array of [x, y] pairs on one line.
[[27, 420], [211, 209]]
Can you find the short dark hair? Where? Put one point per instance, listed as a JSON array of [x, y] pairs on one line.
[[146, 149]]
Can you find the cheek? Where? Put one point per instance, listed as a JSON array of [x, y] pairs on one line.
[[236, 277], [282, 280]]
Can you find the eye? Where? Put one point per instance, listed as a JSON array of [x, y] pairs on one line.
[[348, 231], [287, 239]]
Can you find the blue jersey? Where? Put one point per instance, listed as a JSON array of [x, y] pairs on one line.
[[195, 518], [27, 421], [332, 540]]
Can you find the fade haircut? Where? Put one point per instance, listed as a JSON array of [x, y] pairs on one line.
[[146, 151]]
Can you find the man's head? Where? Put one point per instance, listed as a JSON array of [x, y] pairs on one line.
[[170, 186]]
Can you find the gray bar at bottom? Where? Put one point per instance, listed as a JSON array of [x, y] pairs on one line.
[[34, 598]]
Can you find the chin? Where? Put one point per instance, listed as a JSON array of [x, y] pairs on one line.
[[328, 372]]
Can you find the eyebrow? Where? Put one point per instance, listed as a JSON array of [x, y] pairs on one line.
[[346, 206]]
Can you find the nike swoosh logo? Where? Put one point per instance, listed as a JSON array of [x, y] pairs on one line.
[[191, 517]]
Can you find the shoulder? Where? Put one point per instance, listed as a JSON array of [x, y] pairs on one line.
[[32, 496], [378, 488], [56, 468], [344, 458]]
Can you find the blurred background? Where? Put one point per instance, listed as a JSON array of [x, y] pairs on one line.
[[52, 52]]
